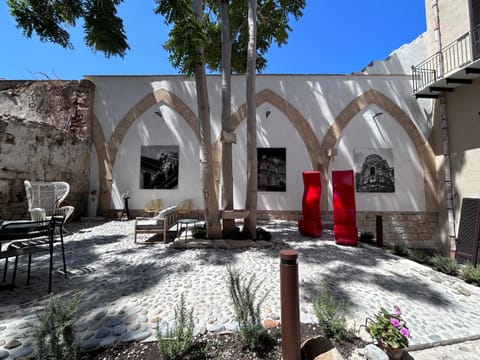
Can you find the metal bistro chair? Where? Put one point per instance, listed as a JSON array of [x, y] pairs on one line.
[[44, 202], [25, 238]]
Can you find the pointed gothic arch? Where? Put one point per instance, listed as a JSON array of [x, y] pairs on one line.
[[423, 148], [107, 151], [293, 115]]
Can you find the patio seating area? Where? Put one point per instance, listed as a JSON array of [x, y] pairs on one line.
[[127, 288]]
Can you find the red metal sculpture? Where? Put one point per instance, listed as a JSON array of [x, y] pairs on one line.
[[311, 224], [344, 212]]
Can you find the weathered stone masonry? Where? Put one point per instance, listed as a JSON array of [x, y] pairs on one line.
[[44, 136]]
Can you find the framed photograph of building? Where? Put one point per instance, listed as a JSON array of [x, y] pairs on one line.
[[374, 172], [159, 167], [272, 169]]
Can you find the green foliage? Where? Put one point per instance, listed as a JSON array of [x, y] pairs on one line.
[[178, 342], [247, 312], [331, 315], [263, 234], [366, 237], [400, 250], [54, 336], [187, 37], [445, 265], [49, 20], [188, 34], [200, 232], [389, 328], [471, 273], [419, 255]]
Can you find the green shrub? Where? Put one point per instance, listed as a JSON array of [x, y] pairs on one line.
[[263, 234], [445, 265], [200, 232], [418, 255], [55, 336], [366, 237], [471, 273], [247, 312], [400, 250], [331, 316], [178, 342]]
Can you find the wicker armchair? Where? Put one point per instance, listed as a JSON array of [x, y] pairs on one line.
[[44, 199]]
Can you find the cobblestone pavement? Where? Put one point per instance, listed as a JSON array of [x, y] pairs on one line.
[[127, 289]]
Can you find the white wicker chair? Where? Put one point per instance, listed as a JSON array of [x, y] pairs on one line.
[[44, 200]]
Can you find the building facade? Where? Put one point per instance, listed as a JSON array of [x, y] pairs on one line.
[[449, 75]]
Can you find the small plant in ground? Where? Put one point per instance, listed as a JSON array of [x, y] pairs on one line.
[[200, 232], [55, 336], [177, 343], [331, 316], [247, 312], [419, 255], [389, 328], [263, 234], [366, 237], [471, 273], [400, 250], [445, 265]]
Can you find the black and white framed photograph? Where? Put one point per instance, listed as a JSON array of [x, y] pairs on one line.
[[374, 171], [159, 167], [272, 169]]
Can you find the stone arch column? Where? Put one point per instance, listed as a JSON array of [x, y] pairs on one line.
[[107, 151], [424, 151]]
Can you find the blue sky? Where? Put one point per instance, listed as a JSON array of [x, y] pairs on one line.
[[333, 37]]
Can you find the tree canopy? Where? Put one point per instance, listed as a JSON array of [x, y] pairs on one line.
[[50, 19], [272, 27]]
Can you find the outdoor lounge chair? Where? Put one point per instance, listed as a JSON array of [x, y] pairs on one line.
[[159, 224], [184, 207], [45, 201], [25, 237], [153, 206]]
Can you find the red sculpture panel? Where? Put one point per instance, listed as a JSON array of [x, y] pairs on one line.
[[344, 211], [311, 224]]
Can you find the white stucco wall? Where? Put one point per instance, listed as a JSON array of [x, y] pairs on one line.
[[319, 98], [382, 132], [274, 131]]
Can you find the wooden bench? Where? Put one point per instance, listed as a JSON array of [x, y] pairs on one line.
[[159, 224]]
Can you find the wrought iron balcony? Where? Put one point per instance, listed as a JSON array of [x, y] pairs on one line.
[[457, 63]]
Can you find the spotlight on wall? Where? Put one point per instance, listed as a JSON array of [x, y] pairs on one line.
[[159, 113], [377, 114], [332, 152], [267, 113]]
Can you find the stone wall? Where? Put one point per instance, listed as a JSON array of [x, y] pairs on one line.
[[44, 136], [413, 229]]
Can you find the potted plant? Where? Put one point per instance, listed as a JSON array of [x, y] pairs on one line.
[[390, 332]]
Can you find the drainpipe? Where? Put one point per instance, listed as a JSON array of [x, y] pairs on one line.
[[445, 135]]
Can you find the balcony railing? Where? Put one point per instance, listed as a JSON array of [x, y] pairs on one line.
[[454, 56]]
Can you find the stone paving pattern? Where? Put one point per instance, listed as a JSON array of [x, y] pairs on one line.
[[127, 289]]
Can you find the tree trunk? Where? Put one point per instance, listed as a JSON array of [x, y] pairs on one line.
[[210, 200], [227, 136], [251, 201]]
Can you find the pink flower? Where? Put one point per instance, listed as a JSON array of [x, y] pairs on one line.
[[397, 310], [405, 332], [395, 322]]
